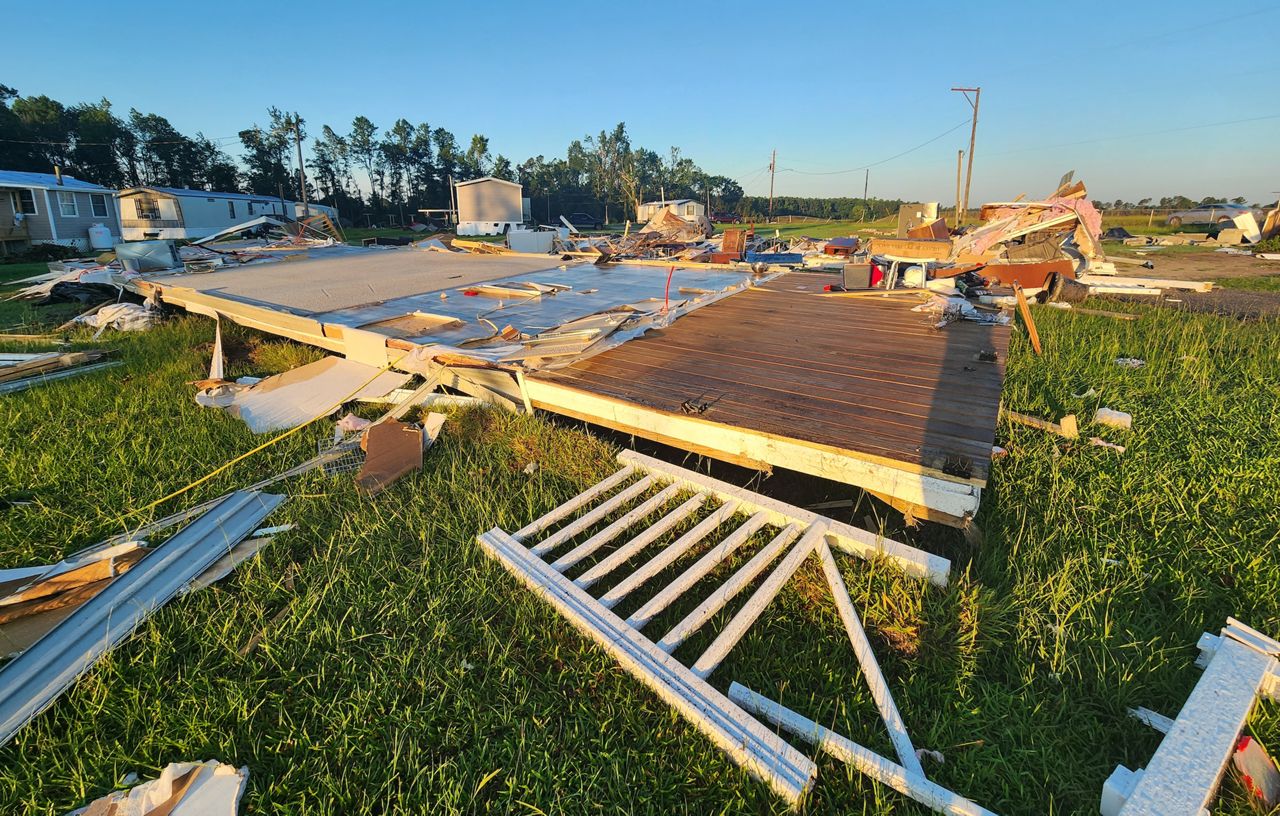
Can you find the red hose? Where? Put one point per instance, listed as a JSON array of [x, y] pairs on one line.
[[666, 292]]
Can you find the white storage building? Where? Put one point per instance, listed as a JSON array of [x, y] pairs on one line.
[[489, 206]]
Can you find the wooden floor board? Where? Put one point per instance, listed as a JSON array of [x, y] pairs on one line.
[[864, 375]]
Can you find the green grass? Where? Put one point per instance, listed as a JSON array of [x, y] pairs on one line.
[[18, 271], [1258, 283], [401, 671]]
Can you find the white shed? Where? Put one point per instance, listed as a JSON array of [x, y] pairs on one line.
[[148, 213], [488, 206]]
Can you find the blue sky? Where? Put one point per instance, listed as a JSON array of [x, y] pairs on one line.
[[1131, 95]]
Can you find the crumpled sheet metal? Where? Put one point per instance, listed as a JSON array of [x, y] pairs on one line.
[[569, 294]]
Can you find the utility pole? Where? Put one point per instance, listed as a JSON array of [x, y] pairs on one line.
[[302, 173], [773, 161], [973, 135], [959, 161], [453, 204], [866, 205]]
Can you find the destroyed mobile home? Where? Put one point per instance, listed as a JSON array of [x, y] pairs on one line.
[[874, 363]]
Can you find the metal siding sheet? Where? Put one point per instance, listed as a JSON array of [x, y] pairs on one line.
[[35, 679]]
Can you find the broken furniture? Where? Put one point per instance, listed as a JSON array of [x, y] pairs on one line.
[[578, 538], [1240, 665]]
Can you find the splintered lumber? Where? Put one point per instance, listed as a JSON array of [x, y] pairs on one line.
[[915, 248], [1025, 311], [864, 760], [1069, 427], [762, 752], [41, 363]]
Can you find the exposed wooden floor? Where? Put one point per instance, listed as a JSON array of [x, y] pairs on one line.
[[864, 376]]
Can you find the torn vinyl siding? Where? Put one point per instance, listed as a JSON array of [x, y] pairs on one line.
[[31, 682]]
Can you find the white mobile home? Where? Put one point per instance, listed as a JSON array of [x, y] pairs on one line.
[[488, 206], [147, 213], [688, 209]]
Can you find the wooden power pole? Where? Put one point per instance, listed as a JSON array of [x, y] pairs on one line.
[[959, 162], [866, 205], [302, 173], [773, 161], [973, 136]]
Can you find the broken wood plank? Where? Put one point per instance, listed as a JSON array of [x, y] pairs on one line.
[[1069, 427], [1025, 311]]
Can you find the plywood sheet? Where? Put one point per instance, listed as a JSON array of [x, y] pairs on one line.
[[863, 375]]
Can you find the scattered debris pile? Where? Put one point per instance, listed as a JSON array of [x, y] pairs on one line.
[[183, 789]]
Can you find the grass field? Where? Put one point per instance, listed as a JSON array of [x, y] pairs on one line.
[[400, 671]]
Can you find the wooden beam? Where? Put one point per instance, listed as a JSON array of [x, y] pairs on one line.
[[1069, 427], [1025, 311], [916, 484]]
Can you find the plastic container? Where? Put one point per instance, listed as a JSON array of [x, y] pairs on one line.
[[100, 237]]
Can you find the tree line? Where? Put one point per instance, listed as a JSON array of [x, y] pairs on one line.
[[359, 168], [1176, 202]]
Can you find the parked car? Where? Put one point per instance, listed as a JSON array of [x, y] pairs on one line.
[[1211, 214], [583, 221], [725, 218]]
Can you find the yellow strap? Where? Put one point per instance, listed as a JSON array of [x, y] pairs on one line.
[[266, 444]]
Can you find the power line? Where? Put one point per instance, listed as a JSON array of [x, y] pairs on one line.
[[1140, 135], [877, 163], [78, 143]]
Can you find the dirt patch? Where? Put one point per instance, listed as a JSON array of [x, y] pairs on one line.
[[1176, 264], [1241, 303]]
